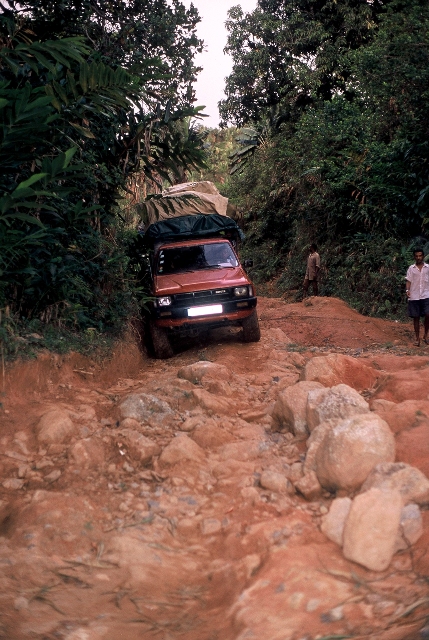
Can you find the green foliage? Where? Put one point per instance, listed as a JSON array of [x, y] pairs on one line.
[[155, 39], [291, 54], [347, 168], [218, 146], [27, 338], [74, 126]]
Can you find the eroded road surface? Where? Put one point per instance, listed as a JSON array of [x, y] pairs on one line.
[[158, 500]]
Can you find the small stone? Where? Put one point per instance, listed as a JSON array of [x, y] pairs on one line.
[[55, 449], [181, 450], [127, 467], [13, 483], [124, 507], [53, 476], [212, 403], [296, 471], [312, 605], [334, 615], [23, 470], [42, 464], [20, 603], [87, 453], [274, 481], [309, 486], [250, 494], [333, 523], [140, 448], [198, 370], [210, 526], [144, 407]]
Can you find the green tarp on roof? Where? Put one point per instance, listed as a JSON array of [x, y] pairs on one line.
[[192, 227]]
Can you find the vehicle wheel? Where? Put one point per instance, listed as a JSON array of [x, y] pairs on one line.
[[161, 345], [251, 330]]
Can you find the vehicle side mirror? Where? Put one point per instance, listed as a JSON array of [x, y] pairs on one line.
[[247, 264]]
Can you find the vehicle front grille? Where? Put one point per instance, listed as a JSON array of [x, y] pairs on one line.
[[210, 296]]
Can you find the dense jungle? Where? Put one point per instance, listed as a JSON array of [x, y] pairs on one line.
[[268, 489], [324, 139]]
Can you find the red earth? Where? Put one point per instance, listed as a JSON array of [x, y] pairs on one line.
[[97, 544]]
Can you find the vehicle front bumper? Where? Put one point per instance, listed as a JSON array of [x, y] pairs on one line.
[[177, 317]]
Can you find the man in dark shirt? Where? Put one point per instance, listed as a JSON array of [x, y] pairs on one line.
[[313, 268]]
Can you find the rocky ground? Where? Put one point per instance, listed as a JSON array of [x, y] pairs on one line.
[[186, 499]]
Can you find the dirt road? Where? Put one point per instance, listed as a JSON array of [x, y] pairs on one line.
[[131, 503]]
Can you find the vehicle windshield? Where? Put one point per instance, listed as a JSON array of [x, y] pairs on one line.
[[196, 257]]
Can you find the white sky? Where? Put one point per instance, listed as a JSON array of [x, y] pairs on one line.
[[216, 65]]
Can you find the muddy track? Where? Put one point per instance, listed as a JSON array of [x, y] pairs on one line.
[[131, 500]]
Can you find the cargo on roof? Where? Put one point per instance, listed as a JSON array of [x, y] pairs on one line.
[[189, 198]]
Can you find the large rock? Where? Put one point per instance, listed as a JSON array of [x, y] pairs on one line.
[[210, 436], [181, 450], [54, 426], [218, 387], [371, 528], [334, 521], [313, 443], [212, 403], [145, 407], [87, 453], [139, 447], [409, 481], [404, 385], [275, 481], [290, 593], [309, 486], [410, 527], [404, 415], [198, 370], [412, 446], [340, 401], [242, 451], [350, 449], [337, 368], [290, 410], [155, 569]]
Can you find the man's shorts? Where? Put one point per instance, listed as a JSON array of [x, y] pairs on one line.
[[418, 308]]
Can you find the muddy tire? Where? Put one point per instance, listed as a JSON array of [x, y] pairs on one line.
[[160, 344], [251, 330]]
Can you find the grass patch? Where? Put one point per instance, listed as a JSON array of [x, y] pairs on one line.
[[26, 339], [295, 348]]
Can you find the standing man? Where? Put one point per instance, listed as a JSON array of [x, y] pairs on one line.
[[313, 268], [417, 290]]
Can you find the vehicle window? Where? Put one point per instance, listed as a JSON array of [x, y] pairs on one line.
[[196, 257]]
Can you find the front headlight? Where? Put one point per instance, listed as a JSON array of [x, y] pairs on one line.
[[165, 301], [240, 292]]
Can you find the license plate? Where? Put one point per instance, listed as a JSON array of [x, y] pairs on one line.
[[208, 310]]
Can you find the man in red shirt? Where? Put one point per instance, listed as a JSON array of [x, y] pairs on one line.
[[417, 291]]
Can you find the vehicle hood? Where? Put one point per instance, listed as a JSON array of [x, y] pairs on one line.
[[199, 280]]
